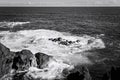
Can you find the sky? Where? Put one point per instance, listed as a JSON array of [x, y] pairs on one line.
[[59, 2]]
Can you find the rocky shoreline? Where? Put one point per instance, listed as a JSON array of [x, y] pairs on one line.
[[16, 66]]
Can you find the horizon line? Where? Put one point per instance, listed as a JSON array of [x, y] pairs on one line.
[[61, 6]]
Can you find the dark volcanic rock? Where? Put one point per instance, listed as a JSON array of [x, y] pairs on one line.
[[6, 59], [15, 61], [22, 60], [14, 66], [41, 59], [113, 74], [16, 76], [78, 73]]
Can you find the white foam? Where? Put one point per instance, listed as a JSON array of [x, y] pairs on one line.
[[65, 55], [12, 24], [37, 40], [53, 70]]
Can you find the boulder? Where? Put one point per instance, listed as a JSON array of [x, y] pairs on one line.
[[11, 62], [22, 60], [42, 59], [78, 73]]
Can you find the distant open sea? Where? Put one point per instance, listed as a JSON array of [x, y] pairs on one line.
[[75, 20]]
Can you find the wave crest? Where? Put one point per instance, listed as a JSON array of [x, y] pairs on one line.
[[12, 24]]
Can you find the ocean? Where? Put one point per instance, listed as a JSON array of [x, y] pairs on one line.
[[100, 24]]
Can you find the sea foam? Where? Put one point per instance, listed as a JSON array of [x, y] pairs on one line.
[[12, 24], [65, 56]]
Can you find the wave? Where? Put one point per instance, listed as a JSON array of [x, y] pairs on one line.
[[55, 44], [11, 24]]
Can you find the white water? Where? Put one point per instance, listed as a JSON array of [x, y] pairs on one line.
[[12, 24], [64, 56]]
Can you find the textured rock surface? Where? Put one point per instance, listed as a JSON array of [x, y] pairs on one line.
[[13, 62], [41, 59], [78, 73], [6, 59], [15, 66], [22, 60]]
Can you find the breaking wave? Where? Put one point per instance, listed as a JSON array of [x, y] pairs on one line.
[[67, 49], [11, 24]]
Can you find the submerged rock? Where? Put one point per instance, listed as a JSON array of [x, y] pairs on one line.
[[63, 41]]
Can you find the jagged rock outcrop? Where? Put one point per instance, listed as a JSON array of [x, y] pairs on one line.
[[14, 66], [78, 73], [22, 60], [6, 59], [13, 62], [42, 59]]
